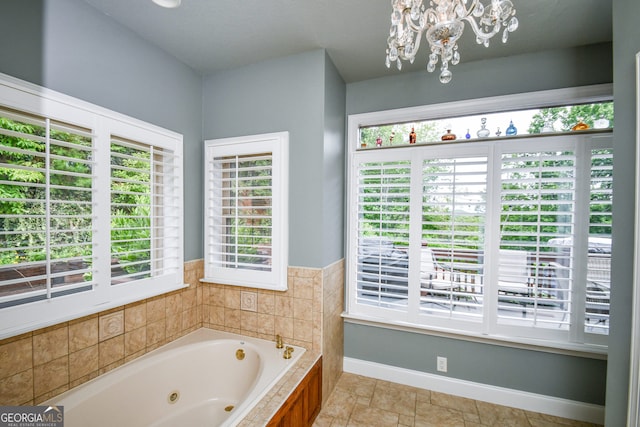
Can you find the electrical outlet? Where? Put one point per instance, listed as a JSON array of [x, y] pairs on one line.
[[442, 364]]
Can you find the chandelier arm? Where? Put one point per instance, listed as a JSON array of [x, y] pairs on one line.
[[468, 10], [416, 28], [478, 30], [430, 15], [410, 26], [416, 46]]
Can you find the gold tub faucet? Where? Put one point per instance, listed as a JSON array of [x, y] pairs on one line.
[[287, 352], [279, 341]]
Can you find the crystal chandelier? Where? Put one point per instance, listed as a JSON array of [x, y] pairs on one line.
[[443, 23]]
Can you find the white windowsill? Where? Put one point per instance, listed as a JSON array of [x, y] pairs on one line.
[[87, 311], [579, 350]]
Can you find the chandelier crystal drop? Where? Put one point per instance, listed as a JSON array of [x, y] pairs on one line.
[[443, 24]]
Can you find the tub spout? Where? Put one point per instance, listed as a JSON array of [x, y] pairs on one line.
[[279, 341]]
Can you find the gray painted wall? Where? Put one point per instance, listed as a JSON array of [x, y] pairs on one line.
[[544, 373], [288, 94], [568, 377], [333, 197], [626, 36], [22, 56], [502, 76], [70, 47]]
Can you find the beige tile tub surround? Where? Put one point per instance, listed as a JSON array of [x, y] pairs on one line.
[[332, 327], [39, 365], [296, 314], [306, 315]]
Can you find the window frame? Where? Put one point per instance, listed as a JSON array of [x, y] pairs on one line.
[[277, 143], [507, 336], [31, 99]]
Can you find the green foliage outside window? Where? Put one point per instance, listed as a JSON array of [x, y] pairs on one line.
[[23, 199], [564, 118], [561, 119], [250, 230], [386, 201], [131, 209]]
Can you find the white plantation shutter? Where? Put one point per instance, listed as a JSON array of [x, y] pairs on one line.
[[383, 190], [502, 238], [245, 211], [454, 207], [598, 276], [145, 211], [46, 182], [537, 205]]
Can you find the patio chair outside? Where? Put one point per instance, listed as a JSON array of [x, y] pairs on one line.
[[598, 287], [513, 272], [432, 276]]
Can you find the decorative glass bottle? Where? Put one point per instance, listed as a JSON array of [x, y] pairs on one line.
[[548, 127], [468, 135], [511, 130], [601, 123], [483, 132], [580, 125], [412, 136], [448, 136]]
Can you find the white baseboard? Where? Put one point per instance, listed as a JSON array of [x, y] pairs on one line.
[[487, 393]]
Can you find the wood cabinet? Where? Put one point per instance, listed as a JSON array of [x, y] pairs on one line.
[[303, 405]]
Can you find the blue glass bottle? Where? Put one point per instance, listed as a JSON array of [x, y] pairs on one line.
[[511, 130]]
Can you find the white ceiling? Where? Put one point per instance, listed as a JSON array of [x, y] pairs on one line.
[[212, 35]]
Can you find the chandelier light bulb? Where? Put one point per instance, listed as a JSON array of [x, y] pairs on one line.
[[442, 25]]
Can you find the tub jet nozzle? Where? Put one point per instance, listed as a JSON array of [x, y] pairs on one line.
[[239, 354]]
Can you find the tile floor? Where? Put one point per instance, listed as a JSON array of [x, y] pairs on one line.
[[359, 401]]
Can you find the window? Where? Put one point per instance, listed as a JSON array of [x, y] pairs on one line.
[[47, 221], [246, 211], [69, 172], [145, 215], [500, 237]]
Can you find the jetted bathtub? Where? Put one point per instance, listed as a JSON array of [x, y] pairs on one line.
[[206, 378]]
